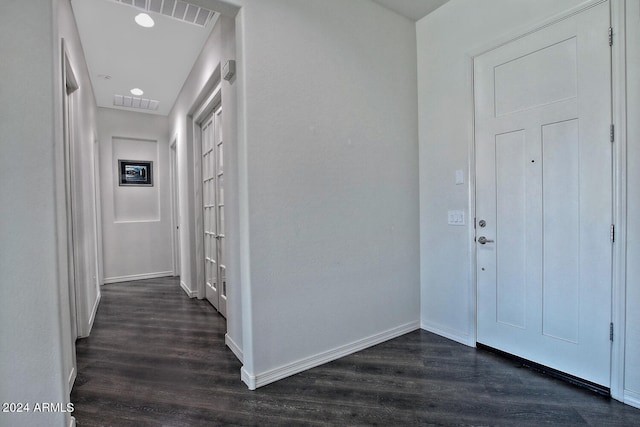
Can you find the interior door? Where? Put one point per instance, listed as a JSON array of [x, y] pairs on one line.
[[544, 196], [220, 225], [209, 212], [213, 210]]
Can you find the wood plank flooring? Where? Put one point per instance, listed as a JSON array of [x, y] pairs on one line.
[[157, 358]]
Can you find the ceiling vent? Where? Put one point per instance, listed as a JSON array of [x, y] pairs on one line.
[[135, 102], [176, 9]]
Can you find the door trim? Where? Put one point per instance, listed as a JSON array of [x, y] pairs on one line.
[[97, 230], [619, 114], [69, 86], [175, 205], [617, 17]]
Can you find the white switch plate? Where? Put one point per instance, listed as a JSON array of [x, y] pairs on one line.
[[459, 177], [456, 217]]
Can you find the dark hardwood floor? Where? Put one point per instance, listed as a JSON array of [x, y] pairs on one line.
[[157, 358]]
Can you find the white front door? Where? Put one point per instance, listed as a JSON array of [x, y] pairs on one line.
[[213, 211], [544, 196]]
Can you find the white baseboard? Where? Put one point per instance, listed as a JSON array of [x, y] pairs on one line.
[[262, 379], [632, 398], [72, 378], [189, 292], [84, 329], [137, 277], [448, 333], [233, 347], [94, 310]]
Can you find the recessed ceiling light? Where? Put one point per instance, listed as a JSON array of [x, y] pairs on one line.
[[144, 20], [136, 91], [182, 10]]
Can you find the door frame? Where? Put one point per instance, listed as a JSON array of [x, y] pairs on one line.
[[175, 204], [618, 63], [211, 103], [619, 114], [70, 86], [97, 229]]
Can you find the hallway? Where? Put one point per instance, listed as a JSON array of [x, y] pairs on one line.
[[156, 357]]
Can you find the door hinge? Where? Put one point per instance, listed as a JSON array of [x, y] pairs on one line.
[[611, 132], [611, 331], [613, 233], [610, 36]]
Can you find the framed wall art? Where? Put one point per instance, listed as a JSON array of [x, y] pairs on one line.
[[135, 173]]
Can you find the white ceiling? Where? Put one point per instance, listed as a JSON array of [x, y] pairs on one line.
[[159, 59], [412, 9], [156, 60]]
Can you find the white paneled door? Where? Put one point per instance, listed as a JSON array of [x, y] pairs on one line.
[[213, 211], [544, 196]]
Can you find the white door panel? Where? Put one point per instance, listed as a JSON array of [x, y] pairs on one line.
[[544, 189], [208, 215], [219, 212], [213, 211]]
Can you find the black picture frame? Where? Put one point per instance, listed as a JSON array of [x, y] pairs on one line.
[[135, 173]]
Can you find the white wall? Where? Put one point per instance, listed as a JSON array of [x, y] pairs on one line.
[[330, 144], [327, 180], [136, 221], [203, 78], [446, 40], [35, 342], [632, 364], [29, 292]]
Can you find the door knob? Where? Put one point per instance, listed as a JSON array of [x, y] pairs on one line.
[[482, 240]]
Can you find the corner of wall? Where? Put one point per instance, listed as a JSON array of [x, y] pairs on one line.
[[187, 289], [451, 334], [248, 379]]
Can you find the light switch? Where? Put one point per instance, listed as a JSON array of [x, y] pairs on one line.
[[456, 217], [459, 177]]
